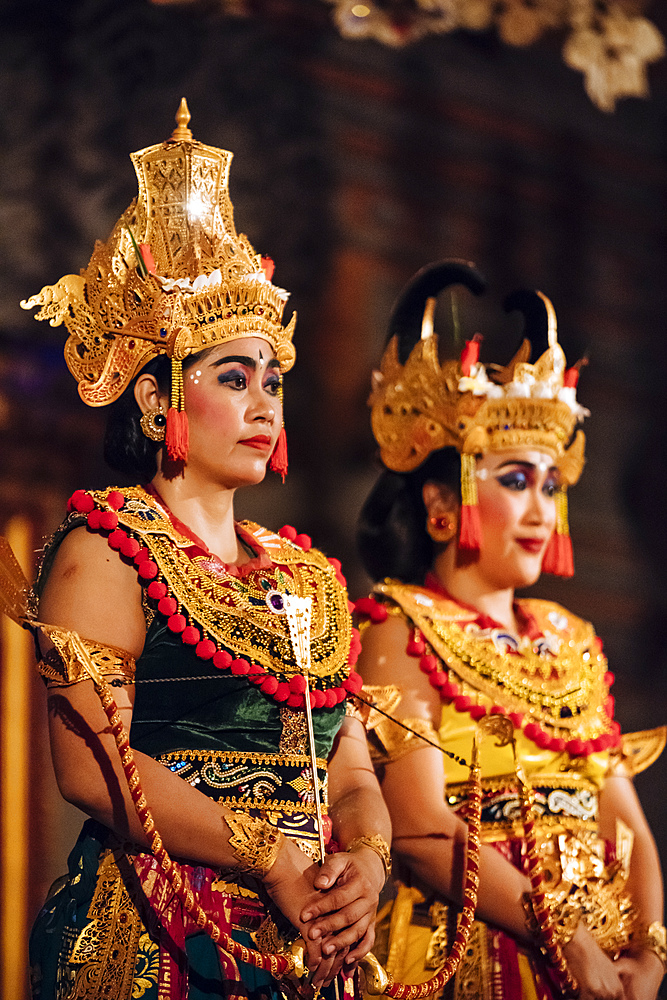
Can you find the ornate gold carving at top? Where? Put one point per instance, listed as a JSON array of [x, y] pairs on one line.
[[208, 284], [422, 406]]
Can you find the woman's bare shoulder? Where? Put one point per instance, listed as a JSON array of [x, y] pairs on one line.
[[92, 590], [384, 661]]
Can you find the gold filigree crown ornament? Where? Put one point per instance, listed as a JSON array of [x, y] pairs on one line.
[[173, 278], [419, 405]]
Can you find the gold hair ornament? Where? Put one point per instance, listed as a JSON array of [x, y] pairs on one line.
[[173, 278], [421, 406]]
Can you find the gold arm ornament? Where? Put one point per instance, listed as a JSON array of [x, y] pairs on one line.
[[377, 843], [255, 843], [654, 938]]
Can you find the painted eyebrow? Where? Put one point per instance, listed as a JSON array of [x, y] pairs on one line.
[[243, 360], [525, 465], [239, 358]]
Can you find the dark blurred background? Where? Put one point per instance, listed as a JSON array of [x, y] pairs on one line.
[[355, 164]]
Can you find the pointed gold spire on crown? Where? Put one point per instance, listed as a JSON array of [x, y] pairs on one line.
[[182, 133]]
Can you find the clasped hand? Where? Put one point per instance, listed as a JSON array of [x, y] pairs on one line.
[[333, 906]]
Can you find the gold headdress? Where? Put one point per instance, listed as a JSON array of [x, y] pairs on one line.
[[173, 278], [419, 406]]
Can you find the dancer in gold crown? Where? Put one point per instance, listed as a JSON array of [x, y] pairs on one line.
[[198, 668], [473, 504]]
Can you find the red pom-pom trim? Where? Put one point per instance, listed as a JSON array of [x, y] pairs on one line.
[[108, 520], [269, 685], [297, 684], [222, 659], [477, 712], [191, 635], [205, 649], [176, 623], [81, 501], [147, 569], [116, 499], [318, 698], [168, 606], [288, 532], [240, 667], [157, 590], [282, 692], [116, 539], [416, 645], [129, 547], [305, 542], [428, 664]]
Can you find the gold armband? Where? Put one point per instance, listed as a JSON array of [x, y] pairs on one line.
[[378, 844], [255, 843], [391, 740], [653, 939], [61, 665]]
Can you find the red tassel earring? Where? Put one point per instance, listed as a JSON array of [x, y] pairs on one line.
[[558, 558], [470, 531], [177, 437], [278, 460]]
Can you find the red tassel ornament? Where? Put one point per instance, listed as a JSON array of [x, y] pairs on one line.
[[177, 436], [278, 460], [470, 530], [559, 558]]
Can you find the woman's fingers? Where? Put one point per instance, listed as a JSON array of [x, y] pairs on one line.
[[362, 947], [335, 923]]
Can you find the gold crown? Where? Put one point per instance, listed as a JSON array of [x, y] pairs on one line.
[[422, 406], [173, 278]]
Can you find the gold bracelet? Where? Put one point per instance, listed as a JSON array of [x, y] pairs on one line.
[[255, 843], [565, 919], [378, 844], [655, 939]]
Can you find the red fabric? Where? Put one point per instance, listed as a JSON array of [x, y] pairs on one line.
[[167, 921]]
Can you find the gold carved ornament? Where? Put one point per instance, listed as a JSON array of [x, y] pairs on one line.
[[562, 691], [419, 405], [173, 279]]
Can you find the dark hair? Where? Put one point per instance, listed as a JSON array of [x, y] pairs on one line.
[[391, 532], [126, 447]]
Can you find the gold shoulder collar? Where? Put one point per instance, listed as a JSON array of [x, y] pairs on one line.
[[419, 601], [640, 750], [234, 616], [552, 617]]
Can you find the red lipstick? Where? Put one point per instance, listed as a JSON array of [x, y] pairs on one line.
[[534, 545], [261, 441]]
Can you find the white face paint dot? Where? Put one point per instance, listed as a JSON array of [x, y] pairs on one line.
[[198, 374]]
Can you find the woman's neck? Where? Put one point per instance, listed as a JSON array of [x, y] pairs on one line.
[[465, 585], [208, 511]]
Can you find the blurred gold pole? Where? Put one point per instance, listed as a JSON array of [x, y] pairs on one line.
[[14, 778]]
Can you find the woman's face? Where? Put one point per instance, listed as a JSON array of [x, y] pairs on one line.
[[234, 410], [517, 513]]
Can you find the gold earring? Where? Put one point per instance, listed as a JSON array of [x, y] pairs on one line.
[[154, 424], [441, 529]]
